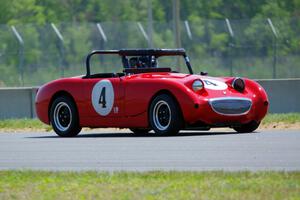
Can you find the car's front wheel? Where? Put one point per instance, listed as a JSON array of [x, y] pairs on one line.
[[164, 115], [247, 128], [64, 117]]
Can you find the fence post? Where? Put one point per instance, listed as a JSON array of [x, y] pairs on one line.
[[188, 30], [101, 31], [102, 43], [141, 28], [150, 23], [176, 27], [274, 47], [21, 54], [231, 40], [60, 47]]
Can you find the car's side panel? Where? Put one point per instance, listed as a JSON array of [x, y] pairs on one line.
[[97, 114], [140, 92], [133, 97]]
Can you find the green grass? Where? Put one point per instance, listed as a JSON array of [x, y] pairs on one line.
[[149, 185], [290, 118], [35, 124], [19, 124]]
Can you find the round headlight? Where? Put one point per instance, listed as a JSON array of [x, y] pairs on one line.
[[197, 85], [238, 84]]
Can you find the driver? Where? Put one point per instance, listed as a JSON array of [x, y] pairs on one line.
[[143, 62]]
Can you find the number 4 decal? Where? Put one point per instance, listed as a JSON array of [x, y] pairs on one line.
[[213, 84], [210, 83], [103, 97]]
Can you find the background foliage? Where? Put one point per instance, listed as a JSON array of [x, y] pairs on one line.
[[252, 52]]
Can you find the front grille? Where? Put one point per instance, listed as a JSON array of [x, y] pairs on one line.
[[231, 105]]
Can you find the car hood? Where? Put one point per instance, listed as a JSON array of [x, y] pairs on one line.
[[213, 86], [180, 77]]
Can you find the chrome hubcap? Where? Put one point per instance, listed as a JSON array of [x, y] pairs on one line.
[[62, 116], [161, 115]]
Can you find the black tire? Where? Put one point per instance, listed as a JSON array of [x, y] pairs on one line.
[[247, 128], [165, 116], [64, 117], [140, 131]]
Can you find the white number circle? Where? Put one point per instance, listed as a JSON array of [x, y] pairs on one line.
[[103, 97], [214, 84]]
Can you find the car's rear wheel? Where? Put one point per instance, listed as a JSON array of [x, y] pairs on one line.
[[247, 128], [164, 115], [64, 117], [140, 131]]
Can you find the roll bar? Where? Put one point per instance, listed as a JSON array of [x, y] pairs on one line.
[[140, 52]]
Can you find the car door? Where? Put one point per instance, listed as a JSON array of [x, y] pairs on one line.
[[104, 101]]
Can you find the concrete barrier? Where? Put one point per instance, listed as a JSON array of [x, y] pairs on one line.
[[284, 95], [17, 102]]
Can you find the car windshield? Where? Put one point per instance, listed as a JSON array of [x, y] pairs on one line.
[[113, 63], [176, 63]]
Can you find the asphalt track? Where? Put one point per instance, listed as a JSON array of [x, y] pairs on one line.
[[113, 150]]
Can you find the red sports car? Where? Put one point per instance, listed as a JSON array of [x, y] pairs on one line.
[[147, 96]]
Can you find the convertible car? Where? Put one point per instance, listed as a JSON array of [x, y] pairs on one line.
[[147, 95]]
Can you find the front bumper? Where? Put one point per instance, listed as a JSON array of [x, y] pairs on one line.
[[228, 111]]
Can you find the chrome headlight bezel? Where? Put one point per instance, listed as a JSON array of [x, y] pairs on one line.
[[197, 85]]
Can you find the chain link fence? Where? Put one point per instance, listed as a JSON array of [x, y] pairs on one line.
[[31, 54]]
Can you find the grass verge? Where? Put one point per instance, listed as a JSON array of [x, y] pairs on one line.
[[281, 121], [23, 124], [290, 120], [149, 185]]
